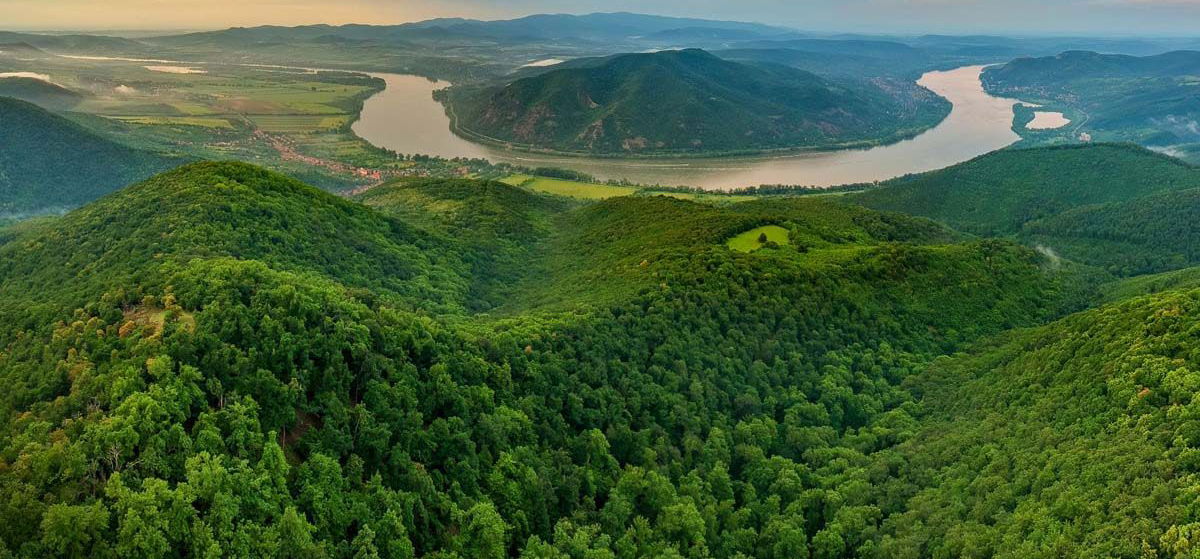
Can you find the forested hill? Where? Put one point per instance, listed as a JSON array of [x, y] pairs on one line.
[[50, 163], [1120, 207], [686, 101], [1084, 65], [1151, 100], [222, 361], [1140, 236]]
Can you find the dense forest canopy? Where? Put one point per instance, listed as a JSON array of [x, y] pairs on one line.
[[219, 328]]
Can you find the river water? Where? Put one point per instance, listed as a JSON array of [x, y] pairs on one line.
[[406, 119]]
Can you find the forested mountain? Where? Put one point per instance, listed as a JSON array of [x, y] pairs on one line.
[[223, 361], [1084, 65], [75, 43], [843, 57], [686, 101], [998, 193], [1152, 100], [1120, 207], [50, 163]]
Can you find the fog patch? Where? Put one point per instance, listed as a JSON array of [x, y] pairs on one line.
[[30, 75], [30, 214], [176, 69], [1180, 126], [1052, 257]]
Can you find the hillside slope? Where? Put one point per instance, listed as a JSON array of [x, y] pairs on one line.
[[998, 193], [50, 163], [685, 102], [1145, 235], [496, 228], [1077, 439], [223, 360], [136, 236]]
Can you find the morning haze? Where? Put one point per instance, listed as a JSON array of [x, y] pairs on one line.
[[1108, 17]]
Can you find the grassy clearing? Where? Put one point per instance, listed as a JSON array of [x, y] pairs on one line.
[[750, 240]]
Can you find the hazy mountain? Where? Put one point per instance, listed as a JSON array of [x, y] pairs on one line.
[[45, 94], [97, 44], [50, 163], [542, 27]]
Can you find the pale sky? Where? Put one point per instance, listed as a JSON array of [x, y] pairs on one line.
[[1108, 17]]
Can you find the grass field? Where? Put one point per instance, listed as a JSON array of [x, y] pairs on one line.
[[299, 124], [203, 122], [749, 241]]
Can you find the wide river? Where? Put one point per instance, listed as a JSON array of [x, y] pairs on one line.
[[406, 119]]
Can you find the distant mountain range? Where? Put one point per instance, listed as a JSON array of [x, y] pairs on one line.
[[687, 101], [591, 27]]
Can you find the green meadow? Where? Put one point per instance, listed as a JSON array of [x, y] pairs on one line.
[[752, 240]]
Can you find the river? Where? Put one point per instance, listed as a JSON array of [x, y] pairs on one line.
[[405, 118]]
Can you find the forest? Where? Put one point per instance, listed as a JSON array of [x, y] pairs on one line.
[[224, 361], [391, 382]]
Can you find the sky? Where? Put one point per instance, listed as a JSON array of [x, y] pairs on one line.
[[1097, 17]]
